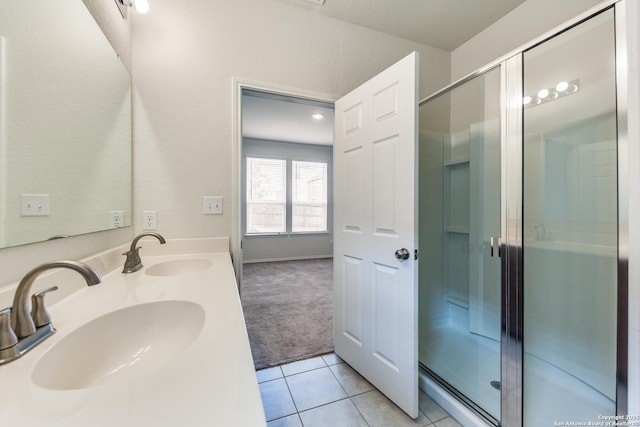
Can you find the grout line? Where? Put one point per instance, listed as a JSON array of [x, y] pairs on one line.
[[284, 416], [430, 422], [302, 372], [338, 380], [325, 404], [273, 379], [349, 396], [358, 409], [291, 395]]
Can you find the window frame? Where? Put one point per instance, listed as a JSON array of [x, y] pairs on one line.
[[326, 197], [289, 159], [246, 195]]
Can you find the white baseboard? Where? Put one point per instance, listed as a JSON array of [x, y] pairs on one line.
[[301, 258], [457, 410]]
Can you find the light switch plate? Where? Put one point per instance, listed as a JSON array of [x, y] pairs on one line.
[[34, 205], [212, 205]]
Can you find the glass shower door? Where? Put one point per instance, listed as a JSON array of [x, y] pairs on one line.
[[460, 316], [570, 226]]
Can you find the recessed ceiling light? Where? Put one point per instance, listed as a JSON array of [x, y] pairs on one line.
[[320, 2], [317, 116]]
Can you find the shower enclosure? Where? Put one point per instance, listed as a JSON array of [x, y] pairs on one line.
[[522, 282]]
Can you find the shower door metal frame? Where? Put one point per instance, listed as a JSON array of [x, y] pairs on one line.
[[622, 391], [511, 244]]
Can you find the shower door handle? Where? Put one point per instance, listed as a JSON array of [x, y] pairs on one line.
[[495, 247]]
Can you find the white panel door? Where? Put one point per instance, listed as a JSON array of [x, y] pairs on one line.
[[376, 309]]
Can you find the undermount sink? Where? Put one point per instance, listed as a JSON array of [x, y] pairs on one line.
[[177, 267], [126, 342]]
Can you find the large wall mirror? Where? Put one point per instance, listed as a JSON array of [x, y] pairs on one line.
[[65, 124]]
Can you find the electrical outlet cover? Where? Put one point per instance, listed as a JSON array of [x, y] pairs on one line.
[[116, 219], [149, 220]]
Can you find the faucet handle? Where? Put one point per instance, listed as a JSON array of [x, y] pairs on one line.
[[130, 251], [39, 312], [8, 338], [133, 262]]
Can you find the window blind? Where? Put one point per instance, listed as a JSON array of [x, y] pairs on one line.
[[266, 195], [309, 197]]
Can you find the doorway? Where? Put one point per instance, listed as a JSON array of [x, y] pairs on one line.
[[286, 222]]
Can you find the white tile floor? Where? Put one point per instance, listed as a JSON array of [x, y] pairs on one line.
[[325, 392]]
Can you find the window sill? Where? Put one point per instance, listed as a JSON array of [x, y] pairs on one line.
[[296, 234], [310, 233]]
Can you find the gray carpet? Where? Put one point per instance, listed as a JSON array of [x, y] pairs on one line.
[[288, 308]]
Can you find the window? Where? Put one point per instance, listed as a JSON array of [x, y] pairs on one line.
[[309, 197], [266, 195], [268, 187]]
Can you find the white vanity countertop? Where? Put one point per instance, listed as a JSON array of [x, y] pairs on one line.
[[211, 382]]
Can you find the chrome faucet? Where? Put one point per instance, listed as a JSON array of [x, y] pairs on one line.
[[133, 262], [18, 331]]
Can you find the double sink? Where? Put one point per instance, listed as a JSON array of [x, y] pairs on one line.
[[164, 336]]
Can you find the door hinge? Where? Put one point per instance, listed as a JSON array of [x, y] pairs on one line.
[[415, 254]]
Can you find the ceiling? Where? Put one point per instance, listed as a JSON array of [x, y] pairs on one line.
[[445, 24], [279, 118]]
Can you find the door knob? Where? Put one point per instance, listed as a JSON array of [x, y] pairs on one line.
[[402, 254]]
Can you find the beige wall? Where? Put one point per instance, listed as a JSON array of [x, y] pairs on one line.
[[186, 54], [185, 57], [526, 22]]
